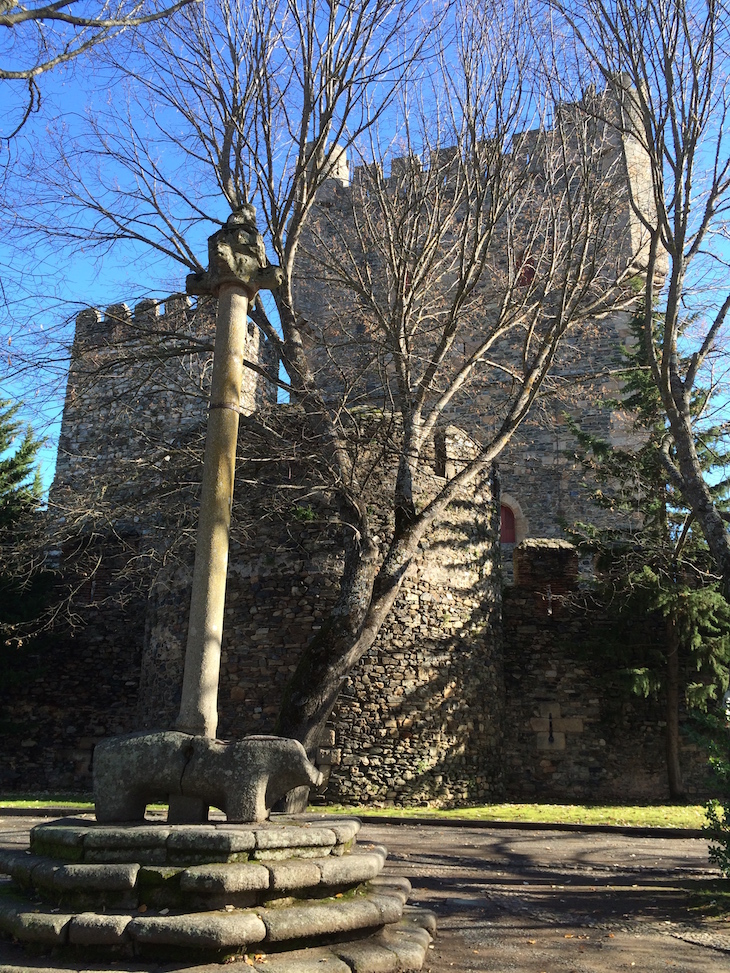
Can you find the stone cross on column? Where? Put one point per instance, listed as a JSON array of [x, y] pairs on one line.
[[237, 269]]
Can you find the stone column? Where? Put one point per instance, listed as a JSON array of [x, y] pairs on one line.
[[237, 270], [199, 705]]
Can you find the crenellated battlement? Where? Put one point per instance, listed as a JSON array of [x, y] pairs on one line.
[[594, 122], [119, 323], [597, 134]]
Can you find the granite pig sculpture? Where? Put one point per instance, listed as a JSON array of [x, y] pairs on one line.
[[243, 778]]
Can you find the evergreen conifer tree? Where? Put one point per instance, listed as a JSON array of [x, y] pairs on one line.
[[653, 561], [20, 485], [20, 495]]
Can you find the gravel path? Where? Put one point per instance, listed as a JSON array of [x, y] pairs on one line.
[[543, 902]]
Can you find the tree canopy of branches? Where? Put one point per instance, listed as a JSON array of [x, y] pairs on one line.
[[466, 267], [676, 58], [37, 37], [53, 33]]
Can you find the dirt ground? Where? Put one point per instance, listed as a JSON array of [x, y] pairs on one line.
[[517, 900]]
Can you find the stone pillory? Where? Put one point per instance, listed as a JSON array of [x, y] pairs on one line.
[[218, 892], [190, 769], [238, 270]]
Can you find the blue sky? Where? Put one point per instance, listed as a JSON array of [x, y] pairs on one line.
[[43, 289]]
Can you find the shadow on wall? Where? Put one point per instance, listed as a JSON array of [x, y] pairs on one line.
[[421, 716], [429, 693]]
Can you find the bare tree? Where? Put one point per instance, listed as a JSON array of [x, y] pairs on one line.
[[41, 36], [464, 272], [674, 58], [468, 265]]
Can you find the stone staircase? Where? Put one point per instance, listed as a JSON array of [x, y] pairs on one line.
[[284, 894]]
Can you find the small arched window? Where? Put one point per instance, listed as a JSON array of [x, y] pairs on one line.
[[506, 525], [526, 269]]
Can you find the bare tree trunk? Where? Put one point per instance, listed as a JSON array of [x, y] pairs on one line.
[[697, 495], [342, 642], [674, 772]]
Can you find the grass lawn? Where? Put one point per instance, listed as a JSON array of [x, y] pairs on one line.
[[47, 800], [640, 816]]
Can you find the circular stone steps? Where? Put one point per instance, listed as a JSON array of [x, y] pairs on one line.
[[216, 889]]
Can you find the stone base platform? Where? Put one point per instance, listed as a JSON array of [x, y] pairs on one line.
[[215, 891]]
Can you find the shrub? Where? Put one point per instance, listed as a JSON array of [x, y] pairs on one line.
[[717, 810]]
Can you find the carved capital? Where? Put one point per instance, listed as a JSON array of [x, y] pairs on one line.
[[236, 255]]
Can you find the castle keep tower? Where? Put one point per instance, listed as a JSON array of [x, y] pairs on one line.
[[344, 256], [137, 387]]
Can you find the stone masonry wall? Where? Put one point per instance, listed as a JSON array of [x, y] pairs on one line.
[[542, 479], [122, 512], [61, 694], [448, 705], [136, 400], [573, 731], [422, 717], [431, 713], [419, 717]]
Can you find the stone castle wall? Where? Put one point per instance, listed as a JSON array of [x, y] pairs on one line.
[[61, 694], [573, 732], [416, 719], [448, 705]]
